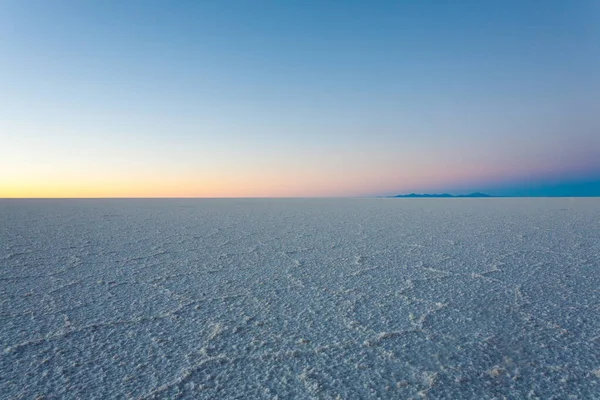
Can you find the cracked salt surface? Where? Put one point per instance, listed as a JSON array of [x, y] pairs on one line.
[[357, 298]]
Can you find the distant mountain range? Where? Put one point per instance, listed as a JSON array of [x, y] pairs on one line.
[[444, 195]]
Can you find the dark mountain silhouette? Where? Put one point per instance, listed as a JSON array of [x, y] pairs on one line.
[[443, 195]]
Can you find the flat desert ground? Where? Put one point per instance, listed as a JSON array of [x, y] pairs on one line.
[[300, 298]]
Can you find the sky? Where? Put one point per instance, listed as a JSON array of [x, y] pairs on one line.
[[298, 98]]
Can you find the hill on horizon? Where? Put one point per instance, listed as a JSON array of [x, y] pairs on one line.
[[443, 195]]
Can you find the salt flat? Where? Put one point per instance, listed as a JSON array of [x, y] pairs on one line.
[[353, 298]]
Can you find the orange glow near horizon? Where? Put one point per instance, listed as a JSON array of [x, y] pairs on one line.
[[290, 182]]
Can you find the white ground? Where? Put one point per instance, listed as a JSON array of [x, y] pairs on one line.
[[373, 298]]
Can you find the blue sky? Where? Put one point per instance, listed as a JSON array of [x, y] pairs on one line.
[[297, 98]]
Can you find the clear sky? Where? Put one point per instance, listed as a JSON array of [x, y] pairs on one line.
[[297, 98]]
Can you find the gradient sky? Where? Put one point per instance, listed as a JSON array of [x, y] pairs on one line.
[[297, 98]]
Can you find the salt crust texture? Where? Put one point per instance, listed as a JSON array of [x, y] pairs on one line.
[[323, 299]]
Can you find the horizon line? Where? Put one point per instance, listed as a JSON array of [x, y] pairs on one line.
[[293, 197]]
